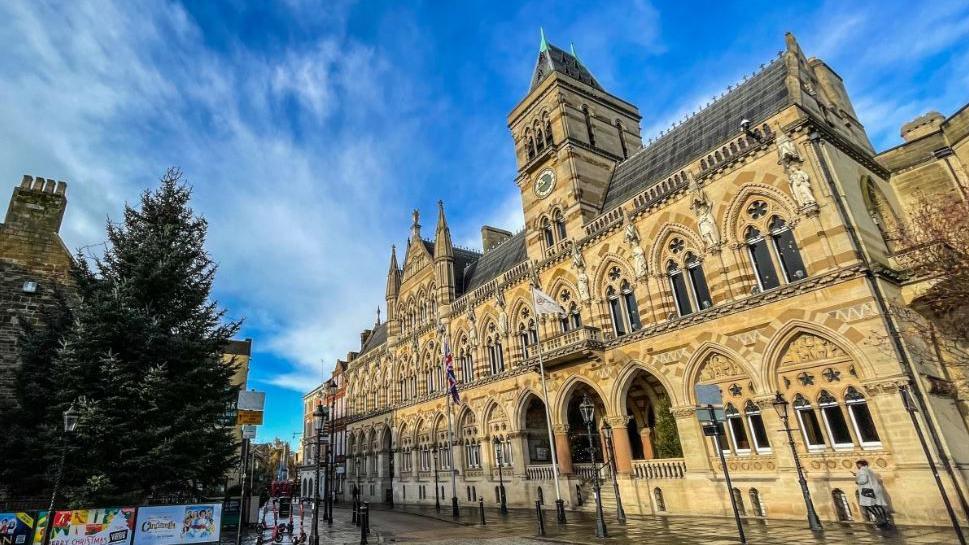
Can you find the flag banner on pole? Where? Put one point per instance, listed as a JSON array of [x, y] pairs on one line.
[[544, 304], [452, 379]]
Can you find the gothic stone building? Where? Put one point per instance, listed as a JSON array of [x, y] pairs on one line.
[[744, 248]]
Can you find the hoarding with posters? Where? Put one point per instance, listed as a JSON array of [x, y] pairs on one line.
[[177, 524], [110, 526], [16, 528]]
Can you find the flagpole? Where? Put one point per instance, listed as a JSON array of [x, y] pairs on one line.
[[450, 428], [559, 503]]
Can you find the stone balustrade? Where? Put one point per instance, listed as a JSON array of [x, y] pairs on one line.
[[539, 472], [663, 468]]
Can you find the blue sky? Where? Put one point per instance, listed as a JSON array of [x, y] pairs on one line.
[[310, 130]]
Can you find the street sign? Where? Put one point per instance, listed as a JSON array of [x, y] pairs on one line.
[[708, 395], [251, 400], [249, 417], [248, 431]]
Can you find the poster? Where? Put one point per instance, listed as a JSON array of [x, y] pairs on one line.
[[111, 526], [16, 528], [176, 524]]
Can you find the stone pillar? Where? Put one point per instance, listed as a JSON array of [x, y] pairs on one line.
[[620, 444], [646, 436], [486, 454], [692, 440], [519, 452], [562, 449]]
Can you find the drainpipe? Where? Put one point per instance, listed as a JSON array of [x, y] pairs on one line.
[[888, 320]]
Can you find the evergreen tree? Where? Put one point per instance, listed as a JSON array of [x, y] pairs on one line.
[[144, 357], [667, 438]]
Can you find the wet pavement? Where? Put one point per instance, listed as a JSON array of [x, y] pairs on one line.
[[419, 524]]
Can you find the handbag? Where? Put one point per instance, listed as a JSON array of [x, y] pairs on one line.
[[868, 492]]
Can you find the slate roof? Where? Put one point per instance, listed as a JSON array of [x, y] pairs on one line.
[[462, 260], [552, 59], [756, 99], [494, 262], [377, 338]]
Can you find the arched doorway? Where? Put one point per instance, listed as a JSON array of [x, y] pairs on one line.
[[535, 426], [578, 431], [651, 427]]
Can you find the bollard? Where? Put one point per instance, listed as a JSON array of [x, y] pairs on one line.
[[541, 517], [481, 508], [363, 527]]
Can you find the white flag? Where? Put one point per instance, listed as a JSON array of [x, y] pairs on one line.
[[544, 304]]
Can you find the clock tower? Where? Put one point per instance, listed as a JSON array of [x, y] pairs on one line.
[[569, 135]]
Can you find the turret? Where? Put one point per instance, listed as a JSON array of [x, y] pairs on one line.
[[393, 288], [443, 258]]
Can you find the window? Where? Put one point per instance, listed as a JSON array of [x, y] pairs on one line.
[[559, 225], [588, 126], [502, 452], [738, 434], [738, 498], [658, 497], [622, 139], [496, 357], [760, 259], [547, 233], [678, 285], [841, 506], [548, 132], [755, 502], [632, 307], [834, 420], [809, 423], [757, 429], [572, 319], [527, 335], [698, 281], [615, 310], [787, 251], [861, 418]]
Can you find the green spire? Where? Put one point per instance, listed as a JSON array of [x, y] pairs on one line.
[[574, 54], [542, 47]]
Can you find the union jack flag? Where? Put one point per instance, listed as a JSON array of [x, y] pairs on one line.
[[452, 379]]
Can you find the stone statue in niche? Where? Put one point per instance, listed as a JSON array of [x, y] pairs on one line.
[[472, 329], [502, 315], [639, 256], [704, 217], [578, 262], [801, 187]]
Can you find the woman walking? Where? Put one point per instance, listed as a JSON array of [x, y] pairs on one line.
[[871, 495]]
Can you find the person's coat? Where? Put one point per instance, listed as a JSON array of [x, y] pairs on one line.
[[870, 491]]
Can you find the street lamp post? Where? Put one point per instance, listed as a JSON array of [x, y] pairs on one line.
[[70, 424], [588, 411], [781, 406], [331, 466], [620, 513], [437, 498], [500, 456], [320, 415]]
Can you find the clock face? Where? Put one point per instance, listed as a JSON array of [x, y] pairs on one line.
[[544, 183]]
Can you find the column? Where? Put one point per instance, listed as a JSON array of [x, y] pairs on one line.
[[646, 436], [519, 452], [486, 455], [620, 444], [692, 440], [562, 448]]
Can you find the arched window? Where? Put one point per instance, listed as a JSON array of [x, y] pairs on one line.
[[810, 427], [758, 431], [698, 281], [588, 125], [541, 496], [738, 433], [527, 335], [834, 421], [738, 498], [539, 139], [658, 497], [864, 424], [841, 506], [622, 138], [548, 132], [678, 285], [787, 252], [623, 307], [755, 502], [559, 225], [547, 233], [760, 259], [496, 356]]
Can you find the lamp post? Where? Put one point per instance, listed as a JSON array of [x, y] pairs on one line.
[[71, 417], [500, 456], [620, 513], [437, 498], [781, 406], [588, 411], [331, 466], [320, 415]]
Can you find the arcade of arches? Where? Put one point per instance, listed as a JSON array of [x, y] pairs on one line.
[[736, 266]]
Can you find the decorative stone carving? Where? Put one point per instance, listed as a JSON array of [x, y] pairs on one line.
[[502, 315], [640, 268], [683, 412], [718, 367], [786, 150], [806, 348], [703, 211], [472, 329], [801, 187]]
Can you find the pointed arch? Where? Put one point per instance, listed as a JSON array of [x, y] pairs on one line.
[[778, 345], [701, 357], [561, 402], [521, 404], [731, 224], [661, 241], [624, 380]]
